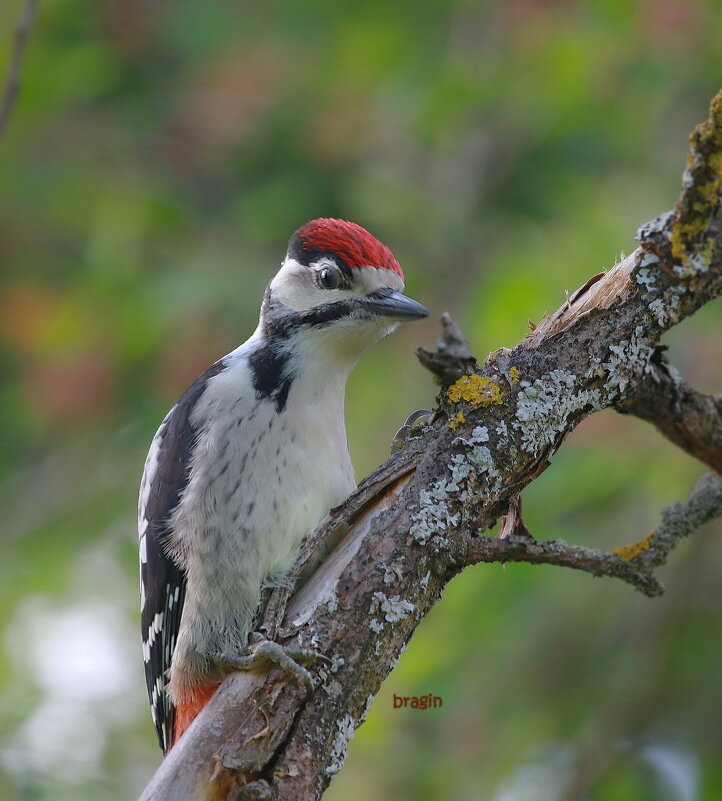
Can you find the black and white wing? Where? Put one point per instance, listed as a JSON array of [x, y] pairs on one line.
[[162, 581]]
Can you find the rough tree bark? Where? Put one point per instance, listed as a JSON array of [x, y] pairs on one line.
[[417, 520]]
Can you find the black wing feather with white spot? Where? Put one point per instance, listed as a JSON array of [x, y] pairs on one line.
[[163, 582]]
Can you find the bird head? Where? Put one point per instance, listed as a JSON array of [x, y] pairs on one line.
[[341, 285]]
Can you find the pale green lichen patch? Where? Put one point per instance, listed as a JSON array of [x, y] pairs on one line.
[[441, 505], [664, 306], [478, 460], [544, 407], [482, 460], [664, 309], [434, 512], [346, 729], [332, 688], [659, 311], [648, 259], [367, 708], [476, 390], [629, 359], [645, 276], [393, 609], [324, 671], [478, 435], [393, 571], [672, 296], [461, 469], [674, 374]]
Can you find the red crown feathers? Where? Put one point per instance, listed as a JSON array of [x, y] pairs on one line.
[[349, 241]]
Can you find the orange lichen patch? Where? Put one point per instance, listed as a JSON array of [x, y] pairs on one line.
[[456, 421], [476, 390], [514, 374], [628, 552]]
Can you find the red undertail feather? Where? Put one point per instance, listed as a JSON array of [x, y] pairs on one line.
[[187, 710]]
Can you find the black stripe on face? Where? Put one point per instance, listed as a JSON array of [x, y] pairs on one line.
[[279, 324], [328, 313], [272, 365]]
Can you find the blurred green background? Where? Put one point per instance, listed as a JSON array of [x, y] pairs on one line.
[[157, 160]]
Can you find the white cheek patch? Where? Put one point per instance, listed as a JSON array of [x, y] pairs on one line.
[[375, 278], [295, 284]]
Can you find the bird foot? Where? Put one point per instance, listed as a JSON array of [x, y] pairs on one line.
[[400, 437], [261, 651]]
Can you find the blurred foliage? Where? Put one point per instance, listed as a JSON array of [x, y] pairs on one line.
[[158, 157]]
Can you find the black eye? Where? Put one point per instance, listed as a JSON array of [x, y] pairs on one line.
[[328, 278]]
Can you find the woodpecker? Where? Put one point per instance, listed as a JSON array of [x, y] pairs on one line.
[[251, 458]]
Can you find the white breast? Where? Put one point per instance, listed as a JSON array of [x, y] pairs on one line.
[[260, 481]]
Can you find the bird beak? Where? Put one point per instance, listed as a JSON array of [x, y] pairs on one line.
[[388, 303]]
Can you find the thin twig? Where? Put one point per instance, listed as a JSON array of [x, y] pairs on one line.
[[560, 554], [12, 83], [631, 563], [689, 419]]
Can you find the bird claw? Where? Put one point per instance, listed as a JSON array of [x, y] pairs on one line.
[[261, 651], [400, 437]]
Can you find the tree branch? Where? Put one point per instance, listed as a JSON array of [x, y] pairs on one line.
[[12, 82], [411, 526], [688, 418], [631, 563]]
